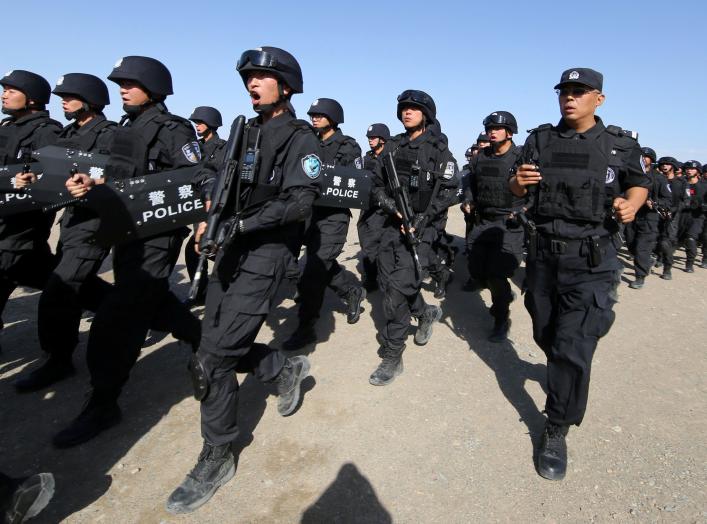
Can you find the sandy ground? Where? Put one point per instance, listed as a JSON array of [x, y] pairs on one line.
[[451, 440]]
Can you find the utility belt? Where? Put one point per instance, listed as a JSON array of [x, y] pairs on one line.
[[591, 247], [507, 220]]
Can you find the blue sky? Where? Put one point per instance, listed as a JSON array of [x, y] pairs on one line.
[[473, 58]]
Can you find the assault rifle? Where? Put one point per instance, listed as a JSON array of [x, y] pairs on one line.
[[663, 212], [402, 203], [225, 210]]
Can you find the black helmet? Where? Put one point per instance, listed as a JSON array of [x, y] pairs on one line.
[[152, 74], [328, 107], [704, 167], [420, 99], [483, 137], [692, 164], [669, 160], [378, 130], [470, 151], [208, 115], [274, 60], [650, 153], [34, 87], [88, 88], [501, 119]]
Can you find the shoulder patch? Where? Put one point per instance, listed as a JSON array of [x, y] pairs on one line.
[[449, 171], [192, 152], [358, 164], [312, 166]]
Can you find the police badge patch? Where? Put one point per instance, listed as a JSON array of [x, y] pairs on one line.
[[357, 163], [610, 175], [449, 171], [312, 166], [192, 152]]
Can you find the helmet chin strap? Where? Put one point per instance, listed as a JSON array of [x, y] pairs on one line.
[[269, 108], [75, 115]]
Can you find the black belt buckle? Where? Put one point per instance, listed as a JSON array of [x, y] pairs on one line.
[[558, 247]]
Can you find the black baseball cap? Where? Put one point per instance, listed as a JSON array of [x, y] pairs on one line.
[[582, 75]]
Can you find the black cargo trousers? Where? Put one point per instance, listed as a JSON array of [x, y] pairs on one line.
[[571, 306], [240, 295]]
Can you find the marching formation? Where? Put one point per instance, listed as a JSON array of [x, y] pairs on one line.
[[563, 203]]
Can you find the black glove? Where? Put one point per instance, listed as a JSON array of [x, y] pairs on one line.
[[387, 204]]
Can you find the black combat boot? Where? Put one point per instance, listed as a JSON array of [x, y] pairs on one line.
[[689, 266], [304, 335], [658, 263], [354, 297], [98, 415], [552, 456], [667, 273], [638, 283], [501, 327], [213, 469], [704, 263], [23, 499], [52, 370], [390, 367], [441, 282], [431, 315], [288, 382]]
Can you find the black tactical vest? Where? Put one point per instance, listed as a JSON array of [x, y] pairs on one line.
[[491, 175], [417, 181], [13, 136], [85, 141], [273, 147], [574, 174]]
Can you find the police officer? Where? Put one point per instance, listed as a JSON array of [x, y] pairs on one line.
[[694, 212], [370, 222], [482, 141], [158, 141], [587, 178], [247, 274], [75, 277], [326, 233], [648, 220], [668, 227], [495, 246], [207, 120], [25, 257], [426, 169]]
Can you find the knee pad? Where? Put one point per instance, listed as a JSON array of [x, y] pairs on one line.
[[199, 378]]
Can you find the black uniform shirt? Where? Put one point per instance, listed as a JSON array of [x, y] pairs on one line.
[[296, 169], [630, 174]]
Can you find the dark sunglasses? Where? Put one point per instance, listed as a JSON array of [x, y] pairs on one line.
[[574, 91]]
